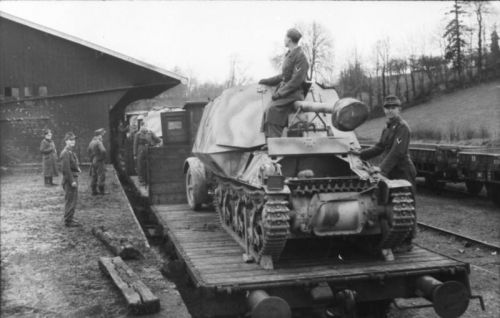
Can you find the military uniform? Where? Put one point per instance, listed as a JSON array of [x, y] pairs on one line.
[[143, 139], [394, 142], [288, 90], [49, 158], [97, 155], [70, 170]]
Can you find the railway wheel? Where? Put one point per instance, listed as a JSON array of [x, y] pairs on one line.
[[493, 191], [196, 187], [474, 187]]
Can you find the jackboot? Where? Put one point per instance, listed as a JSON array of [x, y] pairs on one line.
[[46, 180], [51, 181], [94, 191]]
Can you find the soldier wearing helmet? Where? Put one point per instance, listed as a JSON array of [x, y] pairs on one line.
[[288, 86], [393, 144]]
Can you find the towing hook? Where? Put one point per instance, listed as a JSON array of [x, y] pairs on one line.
[[264, 306], [449, 299]]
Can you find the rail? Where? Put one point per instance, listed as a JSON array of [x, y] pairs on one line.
[[464, 237]]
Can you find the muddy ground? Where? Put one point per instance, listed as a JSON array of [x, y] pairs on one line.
[[49, 270]]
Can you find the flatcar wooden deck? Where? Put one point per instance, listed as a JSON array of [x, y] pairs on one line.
[[214, 259]]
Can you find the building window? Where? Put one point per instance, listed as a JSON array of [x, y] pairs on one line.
[[42, 91], [28, 91], [11, 92]]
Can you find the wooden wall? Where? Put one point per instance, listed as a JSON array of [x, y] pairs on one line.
[[166, 175]]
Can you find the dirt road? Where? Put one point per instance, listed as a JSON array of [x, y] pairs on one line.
[[49, 270]]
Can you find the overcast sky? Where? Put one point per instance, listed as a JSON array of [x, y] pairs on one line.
[[200, 37]]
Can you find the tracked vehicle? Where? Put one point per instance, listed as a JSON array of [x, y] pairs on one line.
[[305, 185]]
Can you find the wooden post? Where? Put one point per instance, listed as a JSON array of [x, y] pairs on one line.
[[139, 297], [118, 246]]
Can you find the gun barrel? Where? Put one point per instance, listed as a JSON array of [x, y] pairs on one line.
[[313, 107]]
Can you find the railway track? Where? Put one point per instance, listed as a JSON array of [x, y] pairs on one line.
[[461, 236]]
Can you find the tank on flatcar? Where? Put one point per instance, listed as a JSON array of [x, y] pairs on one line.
[[303, 186]]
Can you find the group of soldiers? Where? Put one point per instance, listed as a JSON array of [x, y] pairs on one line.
[[70, 169]]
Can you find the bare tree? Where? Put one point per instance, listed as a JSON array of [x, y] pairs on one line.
[[237, 72], [480, 9], [382, 48], [317, 43]]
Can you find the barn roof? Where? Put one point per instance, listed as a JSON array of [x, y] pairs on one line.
[[94, 46]]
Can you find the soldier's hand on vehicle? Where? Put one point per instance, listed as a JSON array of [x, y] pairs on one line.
[[356, 152], [73, 184], [275, 96]]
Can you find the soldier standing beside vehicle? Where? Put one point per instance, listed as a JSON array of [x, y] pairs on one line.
[[97, 155], [70, 170], [394, 142], [289, 86], [49, 158], [143, 139]]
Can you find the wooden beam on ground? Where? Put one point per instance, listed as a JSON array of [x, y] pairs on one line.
[[139, 297], [119, 246]]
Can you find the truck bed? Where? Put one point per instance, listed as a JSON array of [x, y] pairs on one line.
[[214, 260]]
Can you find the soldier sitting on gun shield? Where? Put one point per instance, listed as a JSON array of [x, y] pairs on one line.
[[289, 86]]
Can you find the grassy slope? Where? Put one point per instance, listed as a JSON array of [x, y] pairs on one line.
[[472, 113]]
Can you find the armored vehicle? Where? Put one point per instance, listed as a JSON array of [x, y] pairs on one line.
[[304, 186]]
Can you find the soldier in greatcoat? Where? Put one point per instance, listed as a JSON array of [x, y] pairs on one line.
[[97, 155], [49, 158], [289, 86], [143, 139], [70, 170]]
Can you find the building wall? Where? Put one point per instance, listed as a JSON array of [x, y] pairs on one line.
[[22, 124], [50, 82]]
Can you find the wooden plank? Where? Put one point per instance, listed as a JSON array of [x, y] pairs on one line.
[[139, 297], [298, 274], [119, 246]]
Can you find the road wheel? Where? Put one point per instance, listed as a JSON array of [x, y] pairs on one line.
[[493, 190], [196, 187], [474, 187]]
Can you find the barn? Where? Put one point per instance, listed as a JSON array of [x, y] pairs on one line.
[[49, 79]]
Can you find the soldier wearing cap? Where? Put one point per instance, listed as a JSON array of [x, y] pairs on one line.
[[393, 144], [97, 155], [143, 139], [288, 86], [70, 170], [49, 157]]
